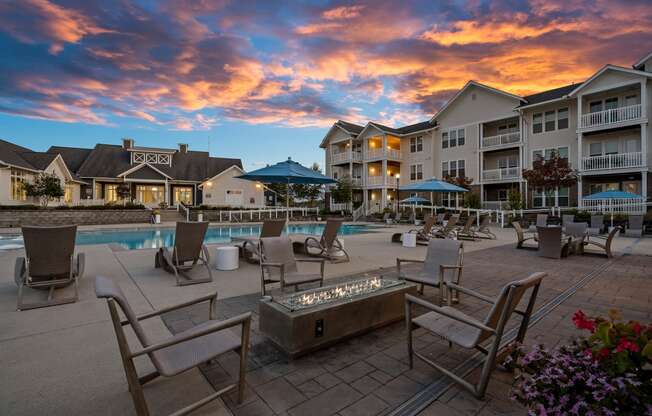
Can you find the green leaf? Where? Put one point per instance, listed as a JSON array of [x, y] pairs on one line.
[[647, 350]]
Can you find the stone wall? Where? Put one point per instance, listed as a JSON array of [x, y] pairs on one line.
[[16, 218]]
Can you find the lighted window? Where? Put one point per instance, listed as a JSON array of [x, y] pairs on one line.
[[18, 178], [111, 192], [68, 193]]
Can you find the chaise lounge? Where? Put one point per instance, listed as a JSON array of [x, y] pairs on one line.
[[188, 248], [328, 245]]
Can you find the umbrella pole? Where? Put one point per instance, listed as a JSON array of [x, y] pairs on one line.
[[287, 204]]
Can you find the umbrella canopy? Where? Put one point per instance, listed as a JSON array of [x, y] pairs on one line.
[[612, 195], [432, 185], [414, 200], [287, 172]]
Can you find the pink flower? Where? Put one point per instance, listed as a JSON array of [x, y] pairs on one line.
[[581, 321], [637, 328], [627, 345]]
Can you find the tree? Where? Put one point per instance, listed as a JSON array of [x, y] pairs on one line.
[[308, 191], [46, 187], [514, 200], [550, 174], [343, 191], [472, 200]]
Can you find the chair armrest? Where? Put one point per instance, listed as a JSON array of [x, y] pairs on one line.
[[398, 260], [81, 265], [206, 253], [465, 320], [449, 266], [20, 269], [469, 292], [310, 260], [209, 329], [210, 297]]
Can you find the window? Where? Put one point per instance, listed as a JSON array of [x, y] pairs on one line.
[[452, 171], [444, 169], [68, 193], [416, 172], [448, 199], [416, 144], [18, 178], [550, 198], [147, 194], [595, 106], [537, 155], [550, 120], [631, 100], [611, 103], [461, 171], [110, 192], [562, 118], [453, 138], [183, 194], [460, 137], [537, 123], [444, 140], [562, 152], [453, 168], [611, 147], [546, 154], [139, 157], [562, 197], [151, 158], [595, 149], [164, 159]]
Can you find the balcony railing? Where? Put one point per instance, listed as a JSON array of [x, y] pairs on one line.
[[383, 153], [501, 174], [356, 181], [347, 157], [624, 205], [376, 180], [611, 116], [500, 205], [340, 206], [501, 139], [615, 161]]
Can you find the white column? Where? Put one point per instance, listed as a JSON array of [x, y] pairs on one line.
[[580, 151], [383, 197], [644, 185], [93, 193]]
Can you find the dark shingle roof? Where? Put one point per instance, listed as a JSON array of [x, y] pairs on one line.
[[38, 160], [73, 156], [412, 128], [11, 153], [553, 94], [350, 127]]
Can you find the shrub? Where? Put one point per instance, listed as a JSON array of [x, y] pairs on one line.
[[608, 373], [472, 200]]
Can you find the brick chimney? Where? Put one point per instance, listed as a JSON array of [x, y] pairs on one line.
[[127, 143], [183, 148]]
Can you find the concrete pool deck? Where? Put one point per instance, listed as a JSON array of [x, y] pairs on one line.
[[64, 360]]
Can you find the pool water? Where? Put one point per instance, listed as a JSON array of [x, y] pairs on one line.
[[164, 237]]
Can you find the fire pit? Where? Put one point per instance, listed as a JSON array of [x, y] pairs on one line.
[[305, 321]]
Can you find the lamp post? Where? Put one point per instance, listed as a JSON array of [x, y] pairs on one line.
[[398, 176]]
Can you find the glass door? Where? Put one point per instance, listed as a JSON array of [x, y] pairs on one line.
[[182, 195]]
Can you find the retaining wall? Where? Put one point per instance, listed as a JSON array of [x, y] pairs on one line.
[[11, 218]]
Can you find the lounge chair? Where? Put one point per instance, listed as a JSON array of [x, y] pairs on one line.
[[566, 219], [542, 221], [466, 232], [188, 248], [387, 218], [483, 230], [250, 247], [442, 256], [601, 242], [551, 242], [49, 264], [440, 218], [448, 230], [328, 245], [177, 353], [597, 225], [520, 235], [278, 260], [423, 234], [577, 233], [635, 226], [468, 332]]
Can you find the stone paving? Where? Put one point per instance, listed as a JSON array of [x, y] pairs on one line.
[[368, 375]]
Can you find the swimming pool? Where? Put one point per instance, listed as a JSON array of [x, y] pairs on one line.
[[164, 237]]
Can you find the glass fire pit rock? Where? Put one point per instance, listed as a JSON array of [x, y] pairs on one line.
[[342, 291]]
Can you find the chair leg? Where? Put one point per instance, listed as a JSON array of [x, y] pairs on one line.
[[244, 349], [408, 325]]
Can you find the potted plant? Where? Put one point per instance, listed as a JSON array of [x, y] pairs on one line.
[[200, 216]]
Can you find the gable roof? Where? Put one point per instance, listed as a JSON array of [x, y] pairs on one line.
[[349, 128], [39, 160], [638, 65], [468, 85], [212, 178], [73, 156], [548, 96], [11, 154], [606, 68], [145, 171]]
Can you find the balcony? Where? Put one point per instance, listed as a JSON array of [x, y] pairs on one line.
[[623, 205], [501, 139], [499, 205], [376, 180], [614, 161], [611, 117], [504, 174], [377, 153], [345, 157], [356, 181]]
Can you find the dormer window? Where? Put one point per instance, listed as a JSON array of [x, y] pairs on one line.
[[151, 158], [139, 157], [164, 159]]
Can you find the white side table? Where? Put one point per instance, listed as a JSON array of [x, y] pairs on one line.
[[226, 258], [409, 239]]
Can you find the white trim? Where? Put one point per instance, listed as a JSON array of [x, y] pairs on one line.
[[135, 168], [477, 84], [602, 71], [201, 185], [554, 100], [642, 61], [10, 165], [350, 133]]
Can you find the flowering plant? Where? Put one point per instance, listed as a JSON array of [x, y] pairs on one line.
[[608, 373]]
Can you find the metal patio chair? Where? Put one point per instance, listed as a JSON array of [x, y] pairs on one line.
[[328, 245], [49, 264], [602, 242], [520, 236], [466, 232], [278, 265], [597, 225], [635, 226], [483, 230], [443, 263], [468, 332], [250, 247], [448, 230], [178, 353], [551, 242], [188, 248], [542, 221]]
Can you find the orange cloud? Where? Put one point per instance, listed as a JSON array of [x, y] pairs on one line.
[[343, 12]]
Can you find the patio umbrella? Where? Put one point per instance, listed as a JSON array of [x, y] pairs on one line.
[[432, 185], [287, 172], [414, 200], [610, 196]]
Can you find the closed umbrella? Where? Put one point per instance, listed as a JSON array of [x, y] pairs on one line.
[[611, 196], [287, 172]]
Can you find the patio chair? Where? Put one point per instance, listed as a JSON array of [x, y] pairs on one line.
[[49, 264], [443, 263], [635, 226], [542, 221], [597, 225], [468, 332], [423, 233], [602, 242], [178, 353], [566, 219], [551, 242], [328, 245], [520, 235], [250, 247], [577, 233], [448, 230], [440, 219], [466, 232], [387, 218], [188, 248], [278, 265], [483, 230]]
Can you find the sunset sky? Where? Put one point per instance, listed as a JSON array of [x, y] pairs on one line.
[[264, 80]]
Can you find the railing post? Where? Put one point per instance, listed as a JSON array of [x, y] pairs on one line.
[[502, 219]]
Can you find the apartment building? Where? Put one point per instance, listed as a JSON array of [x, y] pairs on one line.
[[488, 135]]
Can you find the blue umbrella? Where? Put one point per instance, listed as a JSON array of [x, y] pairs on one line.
[[287, 172], [432, 185], [612, 195], [414, 200]]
